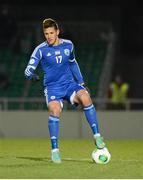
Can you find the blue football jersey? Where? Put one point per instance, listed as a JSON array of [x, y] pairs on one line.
[[58, 63]]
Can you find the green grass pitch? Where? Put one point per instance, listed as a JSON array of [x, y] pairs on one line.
[[30, 159]]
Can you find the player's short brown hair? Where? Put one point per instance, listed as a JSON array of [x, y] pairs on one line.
[[50, 23]]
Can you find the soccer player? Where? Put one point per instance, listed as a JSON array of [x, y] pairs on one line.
[[62, 81]]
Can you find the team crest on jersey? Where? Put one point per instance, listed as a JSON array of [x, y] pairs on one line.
[[67, 52]]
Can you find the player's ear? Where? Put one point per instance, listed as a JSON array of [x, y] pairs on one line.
[[58, 32]]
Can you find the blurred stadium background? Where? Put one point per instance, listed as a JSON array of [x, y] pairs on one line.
[[108, 40]]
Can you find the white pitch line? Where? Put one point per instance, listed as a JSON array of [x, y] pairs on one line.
[[88, 159], [80, 160], [73, 159]]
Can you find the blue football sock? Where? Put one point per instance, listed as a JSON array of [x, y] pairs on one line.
[[90, 114], [53, 125]]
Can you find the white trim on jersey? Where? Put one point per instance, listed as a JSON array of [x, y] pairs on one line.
[[68, 41], [38, 48], [34, 53], [78, 68], [72, 60], [27, 70]]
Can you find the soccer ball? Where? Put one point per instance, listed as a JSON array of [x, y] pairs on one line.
[[101, 156]]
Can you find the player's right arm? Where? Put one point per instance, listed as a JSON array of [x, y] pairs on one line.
[[32, 64]]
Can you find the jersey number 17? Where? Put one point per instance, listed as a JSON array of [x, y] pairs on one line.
[[58, 59]]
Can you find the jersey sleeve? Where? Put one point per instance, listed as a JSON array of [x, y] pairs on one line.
[[72, 54], [33, 63], [75, 67]]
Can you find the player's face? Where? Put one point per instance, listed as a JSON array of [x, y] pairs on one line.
[[51, 35]]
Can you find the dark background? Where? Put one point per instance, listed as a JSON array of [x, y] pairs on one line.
[[126, 19]]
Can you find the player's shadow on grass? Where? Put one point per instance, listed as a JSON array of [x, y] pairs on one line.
[[41, 159], [35, 158], [22, 164], [45, 159]]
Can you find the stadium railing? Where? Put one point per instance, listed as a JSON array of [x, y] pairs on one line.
[[40, 104]]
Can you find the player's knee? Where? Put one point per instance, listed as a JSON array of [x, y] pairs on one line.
[[86, 100], [55, 109]]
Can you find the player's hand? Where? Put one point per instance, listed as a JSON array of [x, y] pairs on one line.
[[35, 78]]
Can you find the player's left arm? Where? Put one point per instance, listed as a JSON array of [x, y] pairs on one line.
[[76, 72], [75, 68]]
